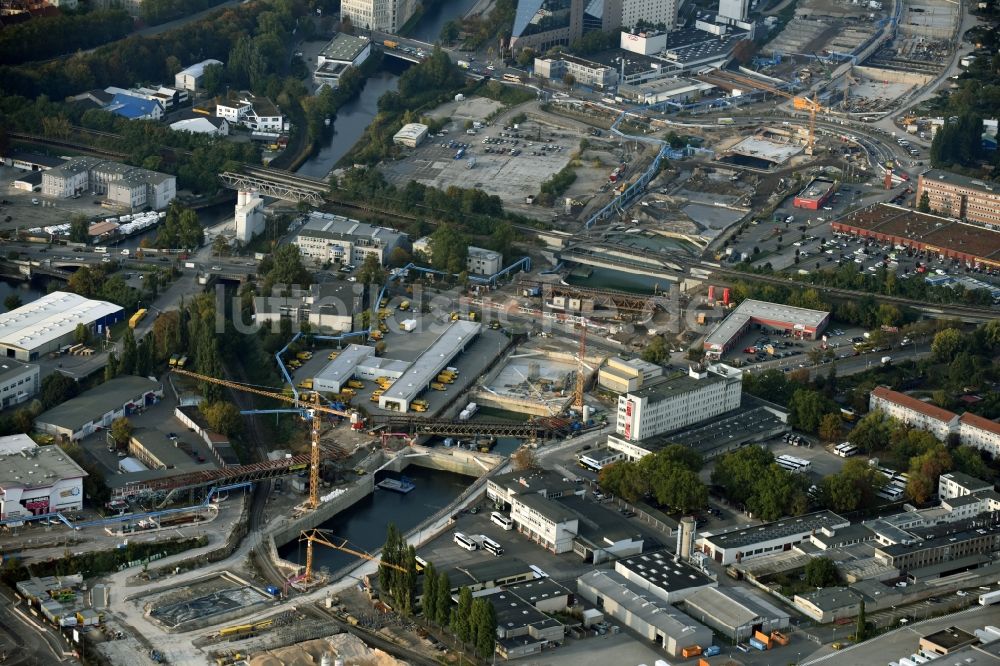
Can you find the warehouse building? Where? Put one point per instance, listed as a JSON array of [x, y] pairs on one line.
[[653, 619], [815, 195], [37, 480], [335, 374], [673, 89], [45, 325], [123, 185], [18, 382], [736, 545], [522, 628], [418, 377], [735, 612], [961, 197], [191, 78], [941, 543], [340, 240], [801, 322], [678, 402], [623, 375], [660, 574], [973, 244], [341, 52], [95, 409], [410, 135]]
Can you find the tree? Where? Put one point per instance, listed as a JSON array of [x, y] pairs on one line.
[[284, 266], [778, 492], [399, 257], [946, 344], [821, 572], [830, 428], [486, 627], [81, 334], [461, 619], [854, 487], [568, 79], [970, 461], [924, 472], [56, 389], [79, 229], [738, 471], [130, 353], [111, 369], [656, 351], [450, 31], [222, 417], [371, 270], [442, 605], [925, 203], [392, 554], [806, 409], [430, 592], [871, 433], [861, 632], [121, 431], [524, 459], [12, 302]]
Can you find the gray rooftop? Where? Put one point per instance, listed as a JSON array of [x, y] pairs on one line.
[[968, 481], [732, 606], [36, 467], [498, 570], [750, 310], [434, 359], [538, 589], [89, 405], [548, 508], [337, 227], [734, 428], [940, 175], [781, 529], [674, 386], [514, 612], [597, 523], [832, 598], [659, 568], [11, 368], [345, 47], [342, 368], [549, 482]]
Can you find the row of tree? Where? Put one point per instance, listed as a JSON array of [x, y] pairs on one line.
[[668, 476], [180, 229], [46, 37]]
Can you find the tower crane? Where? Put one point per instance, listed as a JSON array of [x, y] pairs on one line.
[[321, 537], [799, 102], [312, 412], [581, 369]]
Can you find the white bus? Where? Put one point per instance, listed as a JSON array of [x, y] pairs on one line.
[[491, 546], [465, 542], [421, 564], [503, 521], [845, 450]]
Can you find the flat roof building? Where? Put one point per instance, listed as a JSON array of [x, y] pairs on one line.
[[45, 325], [804, 323], [335, 374], [657, 573], [728, 547], [410, 135], [18, 382], [584, 72], [735, 612], [340, 240], [815, 194], [123, 185], [947, 641], [973, 244], [481, 261], [97, 408], [652, 618], [522, 629], [679, 401], [960, 484], [961, 197], [623, 375], [418, 377], [673, 89], [37, 480]]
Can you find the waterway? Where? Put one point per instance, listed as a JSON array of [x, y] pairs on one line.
[[428, 29], [28, 291], [364, 524]]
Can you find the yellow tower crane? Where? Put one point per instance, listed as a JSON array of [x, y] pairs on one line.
[[798, 102], [321, 537], [581, 377], [313, 411]]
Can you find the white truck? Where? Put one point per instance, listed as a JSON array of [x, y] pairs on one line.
[[886, 360], [989, 598]]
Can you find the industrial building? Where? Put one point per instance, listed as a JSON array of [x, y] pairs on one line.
[[340, 240], [815, 194], [735, 545], [327, 306], [335, 374], [135, 107], [483, 262], [191, 78], [341, 52], [961, 197], [971, 429], [410, 135], [735, 612], [95, 409], [678, 402], [418, 377], [660, 574], [623, 375], [522, 628], [653, 619], [950, 542], [202, 125], [674, 89], [584, 72], [18, 382], [249, 215], [49, 323], [801, 322], [28, 161], [123, 185], [973, 244], [37, 480]]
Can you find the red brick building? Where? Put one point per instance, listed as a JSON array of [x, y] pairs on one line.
[[959, 196], [815, 195]]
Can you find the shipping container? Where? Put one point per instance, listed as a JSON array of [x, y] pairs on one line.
[[763, 638], [757, 645], [989, 598], [691, 651]]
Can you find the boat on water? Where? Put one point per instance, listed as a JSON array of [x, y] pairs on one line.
[[401, 485]]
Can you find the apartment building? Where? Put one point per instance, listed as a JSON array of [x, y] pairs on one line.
[[383, 15], [958, 196], [980, 433], [958, 484], [972, 430], [679, 402], [258, 114], [653, 12]]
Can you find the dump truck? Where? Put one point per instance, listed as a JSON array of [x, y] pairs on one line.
[[438, 386], [389, 44], [306, 385], [445, 378], [348, 392], [356, 384], [404, 305]]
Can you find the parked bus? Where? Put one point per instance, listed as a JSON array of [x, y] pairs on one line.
[[465, 542], [421, 564], [513, 78], [845, 450], [492, 547], [503, 521]]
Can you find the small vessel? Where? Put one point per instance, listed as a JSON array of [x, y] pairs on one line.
[[401, 485]]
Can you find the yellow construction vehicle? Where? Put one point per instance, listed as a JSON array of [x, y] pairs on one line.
[[333, 355], [418, 406], [306, 385], [376, 335], [304, 355], [356, 384], [445, 378], [404, 305], [348, 392], [438, 386]]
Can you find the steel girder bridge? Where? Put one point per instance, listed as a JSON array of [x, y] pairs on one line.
[[540, 428], [279, 188], [609, 299]]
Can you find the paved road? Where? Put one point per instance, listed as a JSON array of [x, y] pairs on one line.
[[26, 640]]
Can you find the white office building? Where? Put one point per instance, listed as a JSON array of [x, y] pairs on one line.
[[958, 484], [678, 402], [37, 480], [653, 12], [734, 9], [342, 52], [340, 240], [249, 215], [621, 375], [258, 114], [18, 382], [383, 15]]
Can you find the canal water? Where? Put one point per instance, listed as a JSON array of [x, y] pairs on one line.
[[364, 524], [428, 29], [28, 291]]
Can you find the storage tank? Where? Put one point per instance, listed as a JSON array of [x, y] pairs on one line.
[[685, 537], [587, 411], [725, 295]]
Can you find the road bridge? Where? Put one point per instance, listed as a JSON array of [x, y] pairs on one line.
[[609, 299], [541, 428]]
